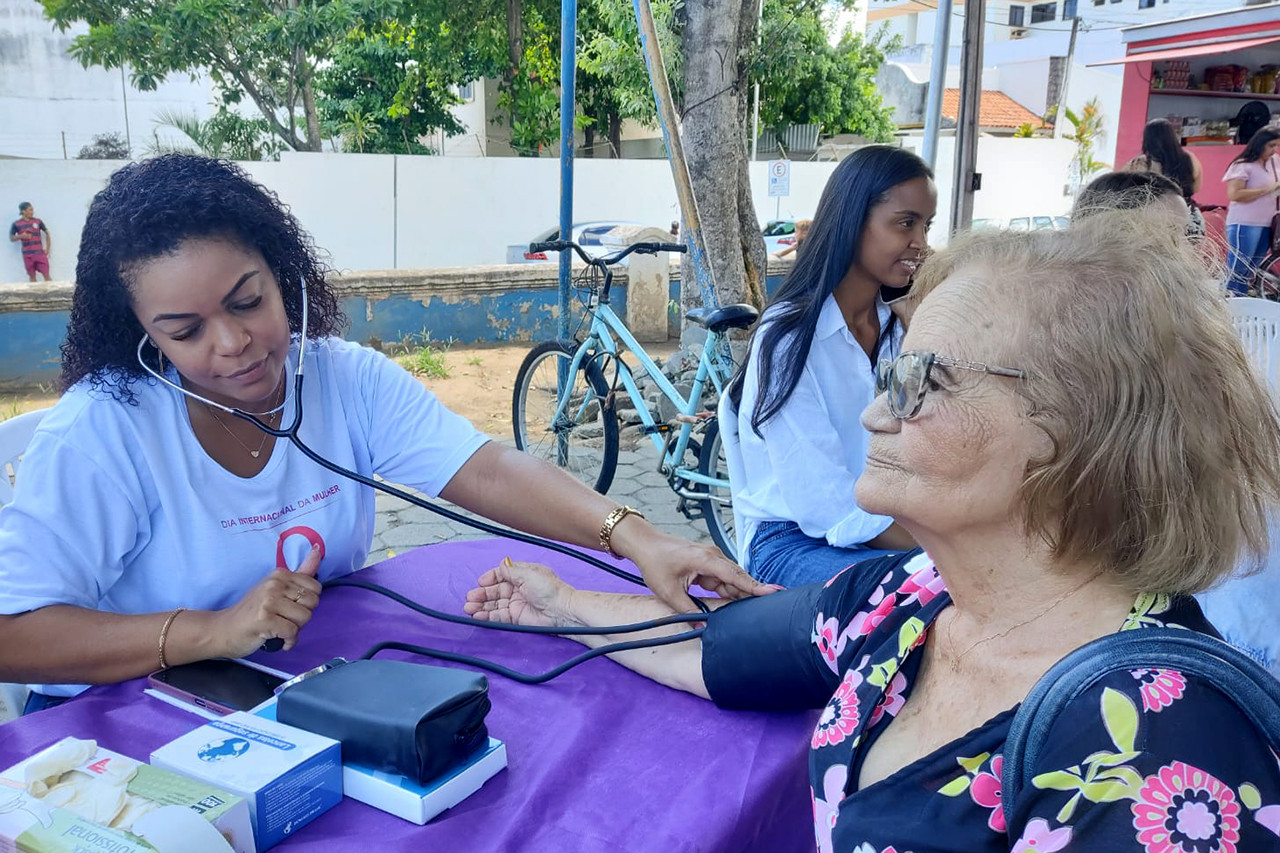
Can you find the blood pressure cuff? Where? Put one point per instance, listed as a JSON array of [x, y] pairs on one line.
[[395, 716], [759, 653]]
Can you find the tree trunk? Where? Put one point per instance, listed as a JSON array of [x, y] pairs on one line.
[[313, 117], [615, 135], [515, 37], [717, 40]]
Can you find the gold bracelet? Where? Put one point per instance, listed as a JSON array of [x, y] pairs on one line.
[[611, 521], [164, 635]]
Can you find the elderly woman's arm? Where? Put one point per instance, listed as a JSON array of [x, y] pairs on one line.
[[784, 651], [530, 594]]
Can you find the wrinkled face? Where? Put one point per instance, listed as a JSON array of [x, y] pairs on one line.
[[214, 308], [956, 467], [897, 233]]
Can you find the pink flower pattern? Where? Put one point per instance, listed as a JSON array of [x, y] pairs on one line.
[[1182, 809], [1160, 688], [1037, 837], [924, 586], [986, 792], [829, 640], [840, 718], [827, 807], [892, 702]]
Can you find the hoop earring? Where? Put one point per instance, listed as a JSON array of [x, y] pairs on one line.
[[159, 354]]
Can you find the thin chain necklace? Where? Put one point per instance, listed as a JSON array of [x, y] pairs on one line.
[[955, 661], [252, 452]]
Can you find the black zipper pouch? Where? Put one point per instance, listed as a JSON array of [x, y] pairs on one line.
[[395, 716]]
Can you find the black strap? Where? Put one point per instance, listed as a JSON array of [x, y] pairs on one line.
[[1234, 673]]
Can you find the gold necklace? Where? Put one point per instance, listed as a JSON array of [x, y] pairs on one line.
[[955, 662], [254, 453]]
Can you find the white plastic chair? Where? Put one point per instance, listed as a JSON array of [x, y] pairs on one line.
[[1258, 323], [15, 435]]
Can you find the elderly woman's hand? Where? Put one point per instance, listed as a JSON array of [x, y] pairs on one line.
[[521, 594]]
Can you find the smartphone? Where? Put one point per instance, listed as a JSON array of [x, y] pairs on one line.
[[890, 295], [219, 684]]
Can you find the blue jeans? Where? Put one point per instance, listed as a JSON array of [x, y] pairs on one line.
[[781, 553], [1246, 247], [39, 702]]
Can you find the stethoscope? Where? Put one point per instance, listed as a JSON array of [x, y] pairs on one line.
[[291, 434]]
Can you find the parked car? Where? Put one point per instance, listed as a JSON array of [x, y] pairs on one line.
[[1023, 223], [585, 234], [778, 234]]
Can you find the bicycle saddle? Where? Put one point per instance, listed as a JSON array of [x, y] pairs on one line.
[[729, 317]]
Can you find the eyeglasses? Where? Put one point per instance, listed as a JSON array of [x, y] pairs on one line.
[[906, 378]]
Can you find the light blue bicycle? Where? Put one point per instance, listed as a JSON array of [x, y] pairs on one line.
[[564, 406]]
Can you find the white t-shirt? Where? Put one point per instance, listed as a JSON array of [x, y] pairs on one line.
[[118, 507], [803, 465]]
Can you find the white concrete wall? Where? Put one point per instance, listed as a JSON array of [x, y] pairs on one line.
[[1020, 177], [45, 93], [372, 211]]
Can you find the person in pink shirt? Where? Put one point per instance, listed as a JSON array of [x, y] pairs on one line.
[[1253, 187]]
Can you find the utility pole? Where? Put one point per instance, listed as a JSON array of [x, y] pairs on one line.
[[124, 94], [755, 109], [967, 179], [1059, 110], [937, 82], [568, 108]]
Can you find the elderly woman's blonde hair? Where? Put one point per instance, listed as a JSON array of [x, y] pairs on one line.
[[1166, 443]]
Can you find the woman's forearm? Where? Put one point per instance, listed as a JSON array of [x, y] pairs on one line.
[[1245, 195], [678, 665], [61, 644]]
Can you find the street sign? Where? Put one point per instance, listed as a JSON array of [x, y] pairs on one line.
[[779, 178]]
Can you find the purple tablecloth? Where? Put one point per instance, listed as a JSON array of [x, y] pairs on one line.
[[600, 759]]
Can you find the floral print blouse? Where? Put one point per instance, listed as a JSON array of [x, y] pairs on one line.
[[1148, 761]]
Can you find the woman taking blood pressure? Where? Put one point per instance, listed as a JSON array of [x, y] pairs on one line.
[[151, 528]]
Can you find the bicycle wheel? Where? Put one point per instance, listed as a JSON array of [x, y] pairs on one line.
[[584, 441], [717, 508]]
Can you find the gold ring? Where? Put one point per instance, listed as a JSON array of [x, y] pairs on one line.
[[296, 596]]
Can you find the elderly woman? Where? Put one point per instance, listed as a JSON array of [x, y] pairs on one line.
[[1076, 467]]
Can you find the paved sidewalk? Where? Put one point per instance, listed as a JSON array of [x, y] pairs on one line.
[[400, 526]]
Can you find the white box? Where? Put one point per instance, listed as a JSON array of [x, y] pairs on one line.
[[151, 809], [404, 797], [288, 776]]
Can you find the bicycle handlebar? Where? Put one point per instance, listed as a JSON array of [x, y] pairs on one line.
[[605, 260]]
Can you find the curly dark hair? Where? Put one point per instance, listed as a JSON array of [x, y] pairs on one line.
[[148, 209]]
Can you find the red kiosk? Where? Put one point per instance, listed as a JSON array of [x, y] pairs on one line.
[[1192, 70]]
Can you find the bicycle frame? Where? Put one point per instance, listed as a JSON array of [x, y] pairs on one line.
[[605, 325]]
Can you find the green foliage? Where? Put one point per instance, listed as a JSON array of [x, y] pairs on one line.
[[1086, 131], [613, 82], [806, 79], [224, 134], [422, 357], [105, 146], [266, 51], [530, 102], [390, 85]]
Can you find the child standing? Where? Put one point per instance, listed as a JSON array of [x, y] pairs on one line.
[[36, 241]]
